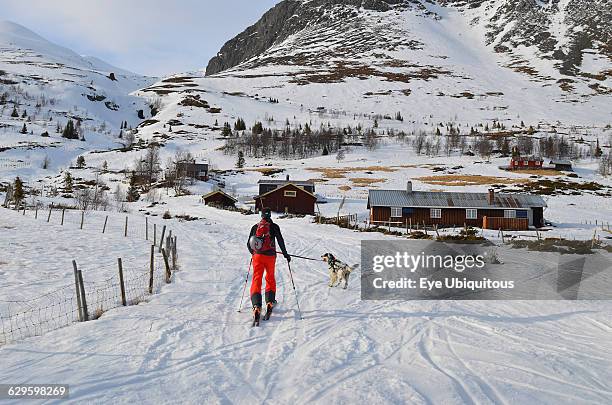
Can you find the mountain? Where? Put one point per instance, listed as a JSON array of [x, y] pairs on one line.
[[494, 52], [53, 83]]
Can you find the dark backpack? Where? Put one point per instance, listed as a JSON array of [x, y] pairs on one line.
[[262, 241]]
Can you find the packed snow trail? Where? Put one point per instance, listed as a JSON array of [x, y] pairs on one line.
[[189, 345]]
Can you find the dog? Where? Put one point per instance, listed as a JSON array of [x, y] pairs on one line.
[[338, 271]]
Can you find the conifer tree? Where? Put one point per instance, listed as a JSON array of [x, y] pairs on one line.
[[132, 193], [240, 163], [15, 113], [18, 193], [68, 182], [24, 129]]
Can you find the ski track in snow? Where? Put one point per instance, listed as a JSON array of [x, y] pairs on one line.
[[190, 345]]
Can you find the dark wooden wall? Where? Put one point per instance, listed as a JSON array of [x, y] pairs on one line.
[[220, 199], [303, 203], [450, 216]]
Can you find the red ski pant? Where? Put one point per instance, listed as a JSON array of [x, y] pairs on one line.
[[261, 264]]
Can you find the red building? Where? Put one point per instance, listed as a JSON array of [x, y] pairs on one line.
[[532, 162], [288, 198]]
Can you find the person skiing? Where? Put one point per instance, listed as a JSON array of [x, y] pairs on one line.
[[262, 246]]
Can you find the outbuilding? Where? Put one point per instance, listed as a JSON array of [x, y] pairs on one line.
[[219, 198]]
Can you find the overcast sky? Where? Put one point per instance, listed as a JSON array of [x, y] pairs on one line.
[[154, 37]]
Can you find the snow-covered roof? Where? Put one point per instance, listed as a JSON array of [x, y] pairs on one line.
[[426, 199], [281, 182]]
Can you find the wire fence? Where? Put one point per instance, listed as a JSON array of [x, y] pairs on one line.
[[59, 308], [20, 319]]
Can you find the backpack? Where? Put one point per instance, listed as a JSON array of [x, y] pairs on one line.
[[262, 241]]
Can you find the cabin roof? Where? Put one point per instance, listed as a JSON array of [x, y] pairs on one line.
[[426, 199], [282, 182], [296, 185], [219, 192]]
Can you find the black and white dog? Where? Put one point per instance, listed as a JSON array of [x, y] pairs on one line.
[[338, 271]]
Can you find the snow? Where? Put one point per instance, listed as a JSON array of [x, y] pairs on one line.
[[189, 343]]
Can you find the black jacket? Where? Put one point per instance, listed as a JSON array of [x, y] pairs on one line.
[[275, 234]]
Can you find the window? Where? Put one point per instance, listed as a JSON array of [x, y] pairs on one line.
[[471, 213], [509, 214], [435, 213], [396, 212], [290, 193]]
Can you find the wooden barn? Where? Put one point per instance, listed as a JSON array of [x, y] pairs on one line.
[[487, 210], [532, 162], [219, 198], [193, 170], [289, 198], [561, 165]]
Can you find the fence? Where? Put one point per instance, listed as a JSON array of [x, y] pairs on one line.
[[83, 301], [88, 300]]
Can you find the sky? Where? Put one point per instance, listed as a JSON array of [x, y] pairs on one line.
[[152, 37]]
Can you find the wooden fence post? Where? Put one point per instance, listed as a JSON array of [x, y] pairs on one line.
[[63, 212], [49, 216], [168, 273], [24, 206], [36, 214], [82, 218], [154, 234], [121, 284], [161, 240], [104, 228], [151, 269], [126, 226], [174, 254], [146, 228], [83, 297], [78, 290]]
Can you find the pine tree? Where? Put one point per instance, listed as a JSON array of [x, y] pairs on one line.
[[132, 193], [598, 151], [25, 114], [227, 130], [68, 182], [18, 193], [80, 162], [105, 166], [325, 151], [15, 113], [24, 129], [240, 163], [70, 131]]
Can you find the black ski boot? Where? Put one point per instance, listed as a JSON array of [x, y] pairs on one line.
[[256, 316], [269, 308]]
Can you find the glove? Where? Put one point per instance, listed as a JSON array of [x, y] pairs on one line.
[[288, 258]]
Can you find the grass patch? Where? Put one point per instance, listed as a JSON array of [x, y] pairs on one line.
[[540, 172], [344, 188], [563, 246], [468, 180], [365, 181], [341, 172]]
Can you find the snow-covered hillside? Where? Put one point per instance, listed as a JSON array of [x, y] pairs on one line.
[[44, 85], [188, 344]]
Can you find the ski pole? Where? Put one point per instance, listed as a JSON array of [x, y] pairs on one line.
[[246, 281], [295, 291], [303, 257]]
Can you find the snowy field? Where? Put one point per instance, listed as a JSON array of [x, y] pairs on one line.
[[189, 343]]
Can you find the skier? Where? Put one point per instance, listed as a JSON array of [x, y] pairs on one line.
[[262, 246]]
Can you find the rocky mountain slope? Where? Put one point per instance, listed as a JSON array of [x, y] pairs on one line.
[[563, 43]]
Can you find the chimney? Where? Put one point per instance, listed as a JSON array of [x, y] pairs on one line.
[[491, 197], [287, 177], [409, 186]]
